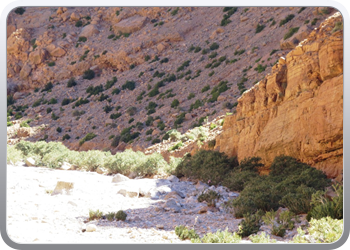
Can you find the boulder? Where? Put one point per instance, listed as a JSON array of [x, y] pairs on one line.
[[63, 187], [91, 228], [74, 16], [130, 25], [172, 205], [38, 56], [119, 178], [18, 95], [188, 116], [67, 166], [131, 192], [173, 178], [25, 72], [30, 162], [55, 51], [89, 30]]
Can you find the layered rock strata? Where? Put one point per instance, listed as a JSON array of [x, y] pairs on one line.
[[297, 109]]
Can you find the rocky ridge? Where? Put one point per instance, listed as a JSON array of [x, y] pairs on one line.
[[54, 44], [297, 109]]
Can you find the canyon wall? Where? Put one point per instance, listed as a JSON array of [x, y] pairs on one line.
[[297, 109]]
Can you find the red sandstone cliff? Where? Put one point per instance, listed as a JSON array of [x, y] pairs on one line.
[[297, 109]]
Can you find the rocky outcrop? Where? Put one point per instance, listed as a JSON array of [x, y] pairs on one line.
[[297, 110]]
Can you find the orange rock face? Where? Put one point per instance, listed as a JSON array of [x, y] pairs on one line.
[[297, 110]]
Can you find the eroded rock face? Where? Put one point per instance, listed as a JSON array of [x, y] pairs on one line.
[[130, 25], [297, 110]]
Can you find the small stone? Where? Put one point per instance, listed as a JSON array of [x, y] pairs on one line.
[[159, 226], [63, 187], [30, 162], [119, 178], [91, 228], [173, 178]]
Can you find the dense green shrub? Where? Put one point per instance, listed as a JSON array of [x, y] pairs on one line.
[[214, 46], [110, 83], [261, 238], [291, 32], [259, 28], [209, 166], [209, 196], [89, 74], [78, 23], [217, 90], [130, 85], [324, 230], [87, 137], [250, 224], [81, 101], [48, 86], [95, 215], [322, 206], [82, 39], [218, 237], [94, 90], [20, 11], [66, 137], [66, 101], [121, 215], [236, 179], [175, 103], [287, 19], [184, 233]]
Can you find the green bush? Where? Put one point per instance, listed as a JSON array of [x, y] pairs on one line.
[[131, 111], [210, 197], [88, 137], [176, 146], [325, 207], [78, 23], [259, 28], [261, 238], [218, 237], [249, 225], [291, 32], [130, 85], [59, 129], [25, 123], [236, 180], [209, 166], [287, 19], [175, 103], [66, 101], [82, 39], [121, 215], [337, 26], [95, 215], [214, 46], [89, 74], [184, 233], [20, 11], [324, 230], [54, 117], [66, 137], [47, 87], [50, 64]]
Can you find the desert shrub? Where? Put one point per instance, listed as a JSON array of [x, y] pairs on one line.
[[325, 207], [217, 90], [190, 96], [20, 11], [337, 26], [48, 86], [176, 146], [214, 46], [10, 100], [205, 88], [14, 155], [52, 101], [291, 32], [259, 28], [279, 230], [236, 180], [261, 238], [175, 103], [95, 215], [78, 23], [131, 111], [54, 117], [179, 119], [218, 237], [82, 39], [59, 129], [115, 91], [25, 123], [184, 233], [314, 21], [324, 230], [260, 68], [210, 196], [18, 115], [250, 224], [66, 137], [89, 74], [130, 85], [183, 65], [87, 137], [50, 64], [287, 19], [121, 215], [299, 200], [209, 166], [66, 101], [110, 83], [81, 101]]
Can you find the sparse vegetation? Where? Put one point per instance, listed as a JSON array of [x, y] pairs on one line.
[[291, 32], [287, 19]]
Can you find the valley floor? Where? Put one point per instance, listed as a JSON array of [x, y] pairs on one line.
[[36, 216]]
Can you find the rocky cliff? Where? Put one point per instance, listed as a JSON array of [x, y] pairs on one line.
[[297, 109]]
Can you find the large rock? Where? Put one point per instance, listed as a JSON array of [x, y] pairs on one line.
[[130, 25], [297, 110], [30, 162], [89, 30], [91, 228], [63, 187], [119, 178], [25, 72], [38, 56], [131, 192], [55, 51]]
